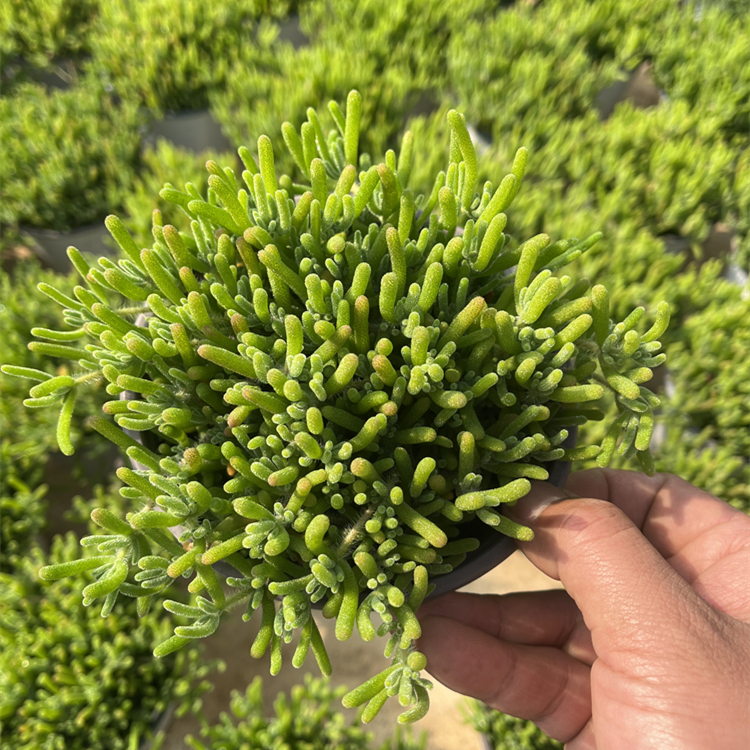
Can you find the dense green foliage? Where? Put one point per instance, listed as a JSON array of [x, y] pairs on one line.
[[712, 398], [22, 511], [41, 30], [360, 373], [304, 719], [67, 155], [168, 55], [27, 437], [72, 680], [505, 732]]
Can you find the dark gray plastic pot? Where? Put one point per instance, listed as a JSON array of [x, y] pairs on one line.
[[720, 244], [51, 246], [159, 724], [61, 73], [195, 131]]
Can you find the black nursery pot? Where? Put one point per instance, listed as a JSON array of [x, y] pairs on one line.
[[52, 246]]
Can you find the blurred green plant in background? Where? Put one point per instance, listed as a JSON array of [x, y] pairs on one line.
[[67, 155], [504, 732], [169, 55], [39, 31], [72, 680], [306, 718]]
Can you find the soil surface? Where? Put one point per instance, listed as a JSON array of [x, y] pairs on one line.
[[353, 662]]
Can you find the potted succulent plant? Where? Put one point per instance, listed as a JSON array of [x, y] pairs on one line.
[[336, 392], [67, 156]]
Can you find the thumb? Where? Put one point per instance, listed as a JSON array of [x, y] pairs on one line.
[[624, 588]]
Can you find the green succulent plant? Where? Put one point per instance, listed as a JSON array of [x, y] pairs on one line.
[[306, 718], [27, 437], [331, 378], [20, 302], [70, 679], [504, 732], [159, 164], [67, 155]]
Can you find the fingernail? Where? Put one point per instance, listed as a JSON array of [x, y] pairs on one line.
[[540, 497]]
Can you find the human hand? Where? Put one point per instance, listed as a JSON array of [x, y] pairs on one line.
[[648, 646]]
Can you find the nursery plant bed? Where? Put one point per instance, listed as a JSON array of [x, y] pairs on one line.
[[51, 246], [195, 131]]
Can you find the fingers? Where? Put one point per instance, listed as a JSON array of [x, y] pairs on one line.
[[626, 590], [703, 538], [539, 618], [584, 740], [670, 512], [534, 682]]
